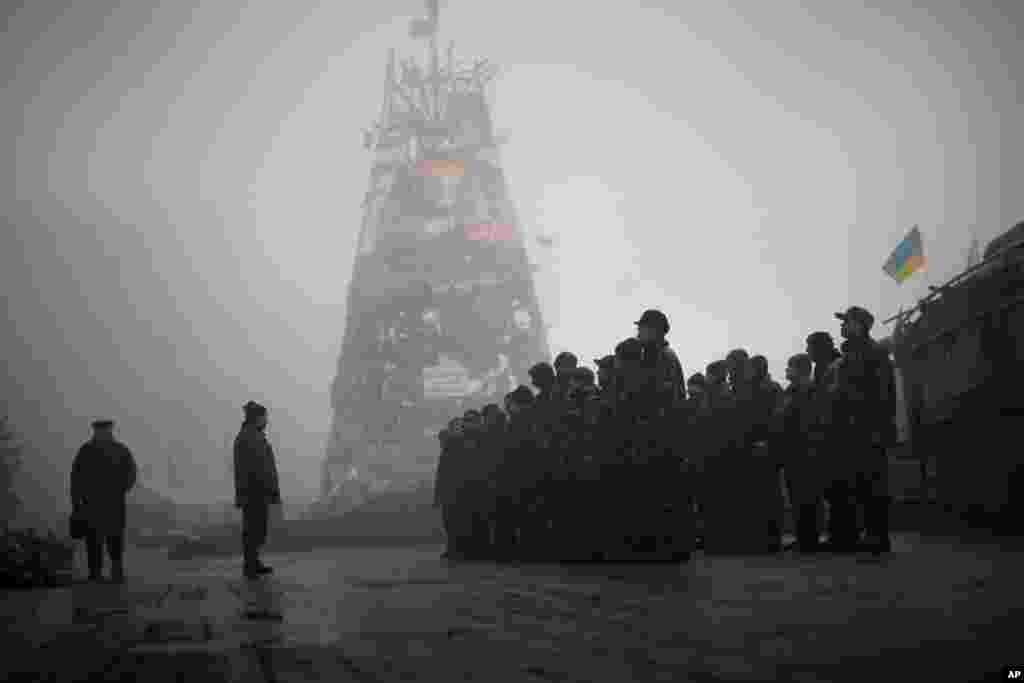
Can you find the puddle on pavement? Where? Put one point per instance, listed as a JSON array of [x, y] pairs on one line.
[[397, 583]]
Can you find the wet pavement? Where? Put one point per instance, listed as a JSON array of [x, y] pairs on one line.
[[933, 609]]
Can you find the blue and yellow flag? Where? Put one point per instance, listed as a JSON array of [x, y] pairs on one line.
[[907, 258]]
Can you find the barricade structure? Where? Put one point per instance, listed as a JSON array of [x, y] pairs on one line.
[[441, 311]]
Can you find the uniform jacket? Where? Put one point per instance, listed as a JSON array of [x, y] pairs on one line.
[[796, 419], [255, 469], [865, 390], [519, 467], [669, 379], [765, 398], [101, 475]]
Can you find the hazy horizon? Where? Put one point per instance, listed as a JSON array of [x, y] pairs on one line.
[[182, 190]]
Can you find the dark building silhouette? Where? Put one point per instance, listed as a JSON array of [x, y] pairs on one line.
[[960, 353]]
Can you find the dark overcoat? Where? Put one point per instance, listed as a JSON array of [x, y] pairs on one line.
[[101, 475], [256, 480]]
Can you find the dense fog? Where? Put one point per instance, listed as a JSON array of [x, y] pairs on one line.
[[182, 189]]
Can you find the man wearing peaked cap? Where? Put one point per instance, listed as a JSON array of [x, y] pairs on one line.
[[102, 473], [857, 316], [651, 330], [654, 319], [256, 485], [865, 395]]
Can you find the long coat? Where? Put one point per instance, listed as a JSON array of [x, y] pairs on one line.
[[255, 469], [101, 475]]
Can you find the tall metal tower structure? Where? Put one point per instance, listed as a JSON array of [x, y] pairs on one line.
[[442, 310]]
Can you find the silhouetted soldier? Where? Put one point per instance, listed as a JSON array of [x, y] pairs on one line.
[[564, 362], [473, 497], [495, 423], [512, 520], [668, 371], [664, 446], [571, 491], [716, 376], [102, 473], [738, 496], [823, 353], [865, 409], [542, 377], [692, 418], [619, 474], [690, 413], [796, 430], [696, 387], [545, 416], [822, 350], [446, 487], [547, 407], [256, 486], [441, 481], [764, 395], [738, 364]]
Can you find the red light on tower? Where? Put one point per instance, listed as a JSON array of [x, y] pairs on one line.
[[488, 232]]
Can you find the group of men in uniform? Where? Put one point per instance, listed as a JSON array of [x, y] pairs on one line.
[[630, 463]]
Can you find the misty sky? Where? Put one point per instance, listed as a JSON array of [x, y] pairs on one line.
[[181, 187]]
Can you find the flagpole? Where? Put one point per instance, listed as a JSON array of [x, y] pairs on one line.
[[434, 62]]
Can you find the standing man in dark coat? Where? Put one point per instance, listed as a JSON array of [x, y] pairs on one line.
[[514, 485], [865, 411], [101, 475], [665, 393], [256, 486], [823, 353], [797, 429], [564, 364]]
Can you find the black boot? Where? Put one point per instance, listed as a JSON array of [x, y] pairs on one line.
[[252, 568]]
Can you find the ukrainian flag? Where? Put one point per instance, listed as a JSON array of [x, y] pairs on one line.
[[907, 258]]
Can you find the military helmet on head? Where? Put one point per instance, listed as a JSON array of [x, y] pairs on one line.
[[629, 349], [654, 318], [716, 370], [820, 340], [800, 362], [566, 360], [737, 355]]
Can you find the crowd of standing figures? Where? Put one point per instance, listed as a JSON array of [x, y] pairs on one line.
[[637, 462]]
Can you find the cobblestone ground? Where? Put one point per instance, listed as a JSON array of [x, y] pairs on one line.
[[931, 610]]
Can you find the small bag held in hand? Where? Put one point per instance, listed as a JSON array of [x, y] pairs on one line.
[[77, 526]]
